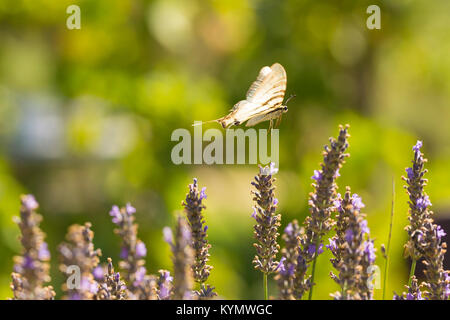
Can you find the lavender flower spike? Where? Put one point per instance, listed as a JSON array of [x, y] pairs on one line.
[[414, 292], [164, 285], [321, 203], [353, 251], [425, 237], [288, 262], [31, 269], [183, 258], [79, 251], [140, 285], [267, 222], [112, 288], [193, 208]]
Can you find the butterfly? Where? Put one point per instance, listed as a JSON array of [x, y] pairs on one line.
[[263, 101]]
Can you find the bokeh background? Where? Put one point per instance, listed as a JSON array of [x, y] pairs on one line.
[[86, 117]]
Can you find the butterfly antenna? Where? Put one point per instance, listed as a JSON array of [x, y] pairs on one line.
[[288, 99]]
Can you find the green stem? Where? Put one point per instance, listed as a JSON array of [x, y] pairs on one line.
[[314, 267], [411, 273], [266, 296], [386, 263]]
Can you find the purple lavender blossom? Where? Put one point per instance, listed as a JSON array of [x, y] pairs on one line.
[[357, 202], [353, 250], [349, 235], [98, 273], [312, 249], [123, 253], [410, 173], [194, 209], [133, 250], [112, 288], [79, 251], [423, 203], [268, 170], [31, 268], [167, 235], [369, 250], [203, 194], [164, 285], [440, 233], [332, 246], [267, 221], [130, 209], [417, 146], [289, 229], [29, 202], [317, 175], [322, 205], [183, 258], [141, 250], [425, 237], [288, 262], [43, 253]]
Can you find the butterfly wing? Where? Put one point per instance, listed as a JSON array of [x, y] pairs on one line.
[[269, 87], [264, 117], [265, 94]]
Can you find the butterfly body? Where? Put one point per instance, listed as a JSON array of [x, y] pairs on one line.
[[263, 101]]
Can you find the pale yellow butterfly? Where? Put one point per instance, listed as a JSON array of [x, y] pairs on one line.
[[263, 100]]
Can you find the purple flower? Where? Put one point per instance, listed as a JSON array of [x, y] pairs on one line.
[[289, 229], [140, 275], [205, 228], [440, 232], [357, 202], [28, 262], [117, 277], [332, 246], [30, 202], [254, 213], [141, 250], [115, 213], [337, 203], [364, 228], [417, 147], [447, 285], [203, 194], [349, 235], [43, 253], [410, 173], [369, 250], [268, 170], [423, 203], [124, 253], [186, 234], [87, 285], [337, 174], [75, 296], [312, 249], [167, 235], [167, 276], [275, 201], [280, 265], [130, 209], [98, 273], [317, 175]]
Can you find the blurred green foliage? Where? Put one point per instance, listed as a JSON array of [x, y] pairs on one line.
[[86, 116]]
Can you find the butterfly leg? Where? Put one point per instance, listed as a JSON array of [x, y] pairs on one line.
[[277, 124], [270, 125]]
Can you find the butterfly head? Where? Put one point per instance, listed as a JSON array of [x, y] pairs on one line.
[[284, 107]]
